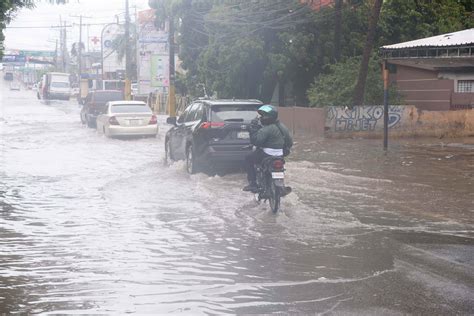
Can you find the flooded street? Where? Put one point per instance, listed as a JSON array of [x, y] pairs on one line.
[[95, 225]]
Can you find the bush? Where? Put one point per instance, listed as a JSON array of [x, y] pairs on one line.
[[336, 87]]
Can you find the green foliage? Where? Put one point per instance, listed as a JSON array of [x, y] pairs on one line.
[[241, 48], [405, 20], [337, 86]]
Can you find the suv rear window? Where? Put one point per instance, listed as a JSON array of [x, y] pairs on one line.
[[234, 112], [108, 96]]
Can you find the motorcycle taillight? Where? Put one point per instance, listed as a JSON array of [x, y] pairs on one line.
[[278, 164]]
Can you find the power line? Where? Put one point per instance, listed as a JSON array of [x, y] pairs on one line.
[[38, 27]]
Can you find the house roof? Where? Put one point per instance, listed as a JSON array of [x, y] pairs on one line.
[[463, 37]]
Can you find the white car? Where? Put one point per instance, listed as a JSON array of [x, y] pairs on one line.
[[127, 118]]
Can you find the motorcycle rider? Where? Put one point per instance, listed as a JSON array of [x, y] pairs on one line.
[[270, 137]]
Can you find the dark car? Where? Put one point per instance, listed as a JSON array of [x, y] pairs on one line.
[[210, 133], [8, 76], [94, 104]]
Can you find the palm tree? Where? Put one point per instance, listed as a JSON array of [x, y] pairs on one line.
[[119, 44], [75, 49], [359, 91]]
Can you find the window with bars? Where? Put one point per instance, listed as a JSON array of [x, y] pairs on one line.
[[466, 86]]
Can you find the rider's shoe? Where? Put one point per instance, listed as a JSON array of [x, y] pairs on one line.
[[286, 191], [252, 187]]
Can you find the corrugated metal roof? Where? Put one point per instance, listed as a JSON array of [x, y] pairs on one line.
[[450, 39]]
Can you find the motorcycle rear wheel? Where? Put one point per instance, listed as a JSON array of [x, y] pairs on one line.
[[274, 196]]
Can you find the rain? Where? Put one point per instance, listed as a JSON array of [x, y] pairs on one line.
[[91, 224]]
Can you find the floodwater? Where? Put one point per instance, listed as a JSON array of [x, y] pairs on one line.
[[91, 225]]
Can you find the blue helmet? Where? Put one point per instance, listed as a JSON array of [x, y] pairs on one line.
[[269, 114]]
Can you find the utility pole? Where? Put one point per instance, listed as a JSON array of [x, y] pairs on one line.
[[56, 56], [172, 95], [61, 45], [128, 71], [80, 49], [65, 53], [385, 104], [88, 38]]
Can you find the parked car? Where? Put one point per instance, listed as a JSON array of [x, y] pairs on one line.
[[15, 85], [8, 76], [127, 118], [94, 104], [210, 133]]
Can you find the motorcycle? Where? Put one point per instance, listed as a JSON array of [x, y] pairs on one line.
[[271, 182]]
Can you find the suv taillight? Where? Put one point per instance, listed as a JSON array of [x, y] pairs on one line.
[[207, 125], [153, 120], [113, 121]]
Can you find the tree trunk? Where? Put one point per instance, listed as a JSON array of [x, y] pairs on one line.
[[281, 93], [337, 30], [359, 91]]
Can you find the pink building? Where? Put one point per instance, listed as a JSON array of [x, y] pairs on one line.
[[434, 73]]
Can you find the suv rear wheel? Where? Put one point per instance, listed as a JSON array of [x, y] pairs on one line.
[[89, 122], [191, 164], [168, 156]]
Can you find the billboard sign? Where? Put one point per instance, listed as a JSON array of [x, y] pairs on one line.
[[37, 53], [160, 71], [16, 59], [152, 51]]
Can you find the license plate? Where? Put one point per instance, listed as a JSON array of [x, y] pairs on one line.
[[243, 135], [278, 175], [134, 122]]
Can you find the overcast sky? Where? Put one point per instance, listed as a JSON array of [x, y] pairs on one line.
[[45, 15]]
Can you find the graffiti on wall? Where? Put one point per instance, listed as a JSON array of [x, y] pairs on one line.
[[363, 118]]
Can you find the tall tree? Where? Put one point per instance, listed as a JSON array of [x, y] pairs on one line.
[[369, 44], [337, 29], [119, 44]]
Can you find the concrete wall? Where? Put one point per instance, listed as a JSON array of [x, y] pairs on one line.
[[303, 121], [404, 121]]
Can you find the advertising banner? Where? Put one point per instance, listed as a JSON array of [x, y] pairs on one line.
[[152, 51], [17, 59], [160, 71]]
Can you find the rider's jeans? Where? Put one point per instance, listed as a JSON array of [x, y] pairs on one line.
[[251, 160]]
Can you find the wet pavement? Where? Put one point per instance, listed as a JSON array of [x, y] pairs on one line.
[[91, 225]]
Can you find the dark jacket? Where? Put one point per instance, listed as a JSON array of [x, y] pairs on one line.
[[270, 136]]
